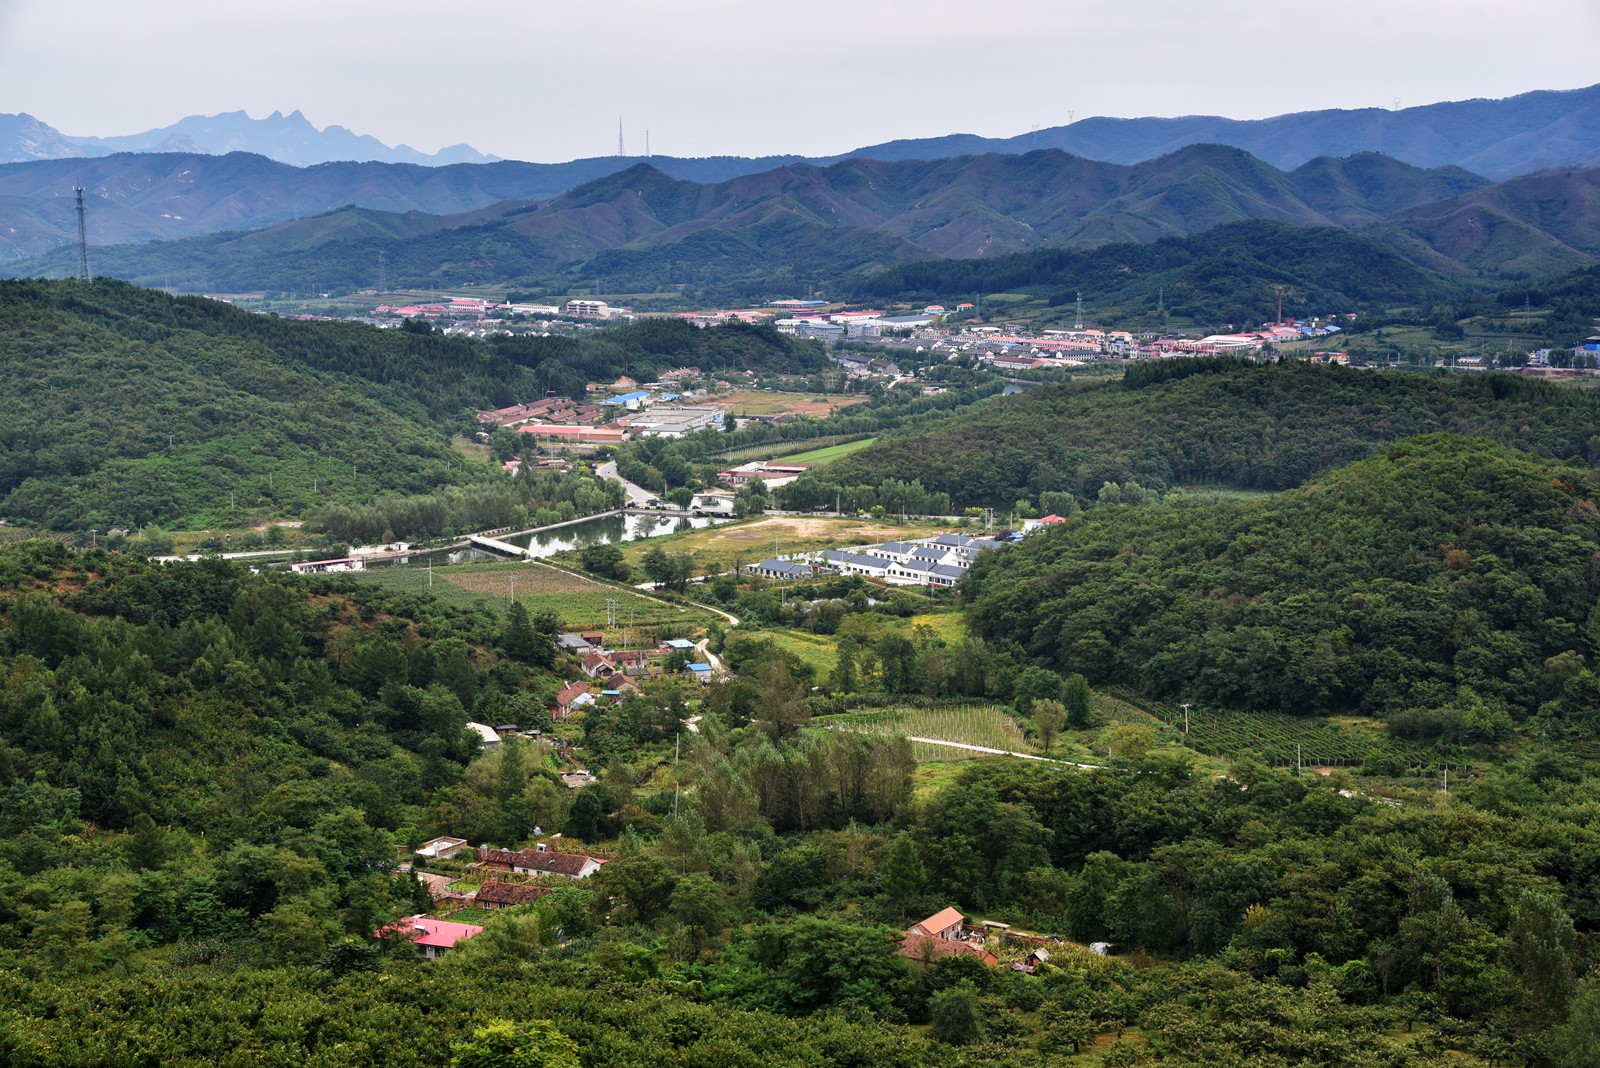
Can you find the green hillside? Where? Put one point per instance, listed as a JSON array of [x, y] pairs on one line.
[[1447, 583], [115, 412], [122, 406], [1251, 426]]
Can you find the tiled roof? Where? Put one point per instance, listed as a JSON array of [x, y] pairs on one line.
[[510, 893]]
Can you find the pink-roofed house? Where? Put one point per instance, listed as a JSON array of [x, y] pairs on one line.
[[433, 938]]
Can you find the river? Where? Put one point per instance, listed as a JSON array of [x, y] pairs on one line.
[[607, 529]]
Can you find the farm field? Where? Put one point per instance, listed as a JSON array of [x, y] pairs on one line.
[[753, 540], [579, 602], [742, 402], [827, 453], [973, 724]]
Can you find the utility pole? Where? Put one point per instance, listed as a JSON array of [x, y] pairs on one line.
[[83, 240], [611, 612], [1185, 707]]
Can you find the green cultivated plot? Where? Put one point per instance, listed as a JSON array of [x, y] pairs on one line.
[[827, 453]]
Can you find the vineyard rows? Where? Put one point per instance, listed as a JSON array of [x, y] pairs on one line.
[[974, 724]]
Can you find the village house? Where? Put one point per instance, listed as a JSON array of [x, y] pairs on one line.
[[571, 698], [780, 570], [637, 662], [597, 666], [496, 895], [488, 738], [441, 848], [540, 860], [433, 938], [943, 935]]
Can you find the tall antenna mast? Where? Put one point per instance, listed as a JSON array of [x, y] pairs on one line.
[[647, 144], [1280, 307], [1077, 322], [83, 239], [383, 272], [620, 152]]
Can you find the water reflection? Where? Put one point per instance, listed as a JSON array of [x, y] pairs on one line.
[[605, 530]]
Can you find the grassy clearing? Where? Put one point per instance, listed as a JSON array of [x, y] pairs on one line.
[[827, 453], [753, 540], [1218, 494], [741, 402], [950, 627], [815, 650], [974, 724], [472, 450], [580, 603], [933, 776], [1280, 738]]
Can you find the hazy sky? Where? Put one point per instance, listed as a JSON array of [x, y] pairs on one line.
[[536, 81]]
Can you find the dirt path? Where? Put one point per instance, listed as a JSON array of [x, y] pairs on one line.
[[1002, 752]]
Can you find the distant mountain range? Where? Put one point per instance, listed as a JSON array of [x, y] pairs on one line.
[[287, 138], [241, 222], [1498, 138], [642, 230]]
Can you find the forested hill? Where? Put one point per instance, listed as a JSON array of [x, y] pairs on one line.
[[1254, 426], [124, 406], [1448, 584]]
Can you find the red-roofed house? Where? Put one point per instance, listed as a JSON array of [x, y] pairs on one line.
[[940, 935], [433, 937], [572, 698], [597, 666], [945, 924]]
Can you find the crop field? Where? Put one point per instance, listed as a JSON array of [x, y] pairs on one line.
[[773, 449], [579, 602], [974, 724], [828, 453], [1347, 741], [755, 539]]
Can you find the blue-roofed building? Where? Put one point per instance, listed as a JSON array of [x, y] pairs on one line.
[[631, 401], [701, 672]]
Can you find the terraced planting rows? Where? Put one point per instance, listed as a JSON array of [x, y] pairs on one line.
[[974, 724]]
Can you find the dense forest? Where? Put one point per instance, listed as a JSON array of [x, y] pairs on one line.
[[1213, 421], [124, 406], [206, 773], [1225, 274], [1447, 584]]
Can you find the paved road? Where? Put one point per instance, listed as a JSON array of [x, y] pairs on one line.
[[637, 495]]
